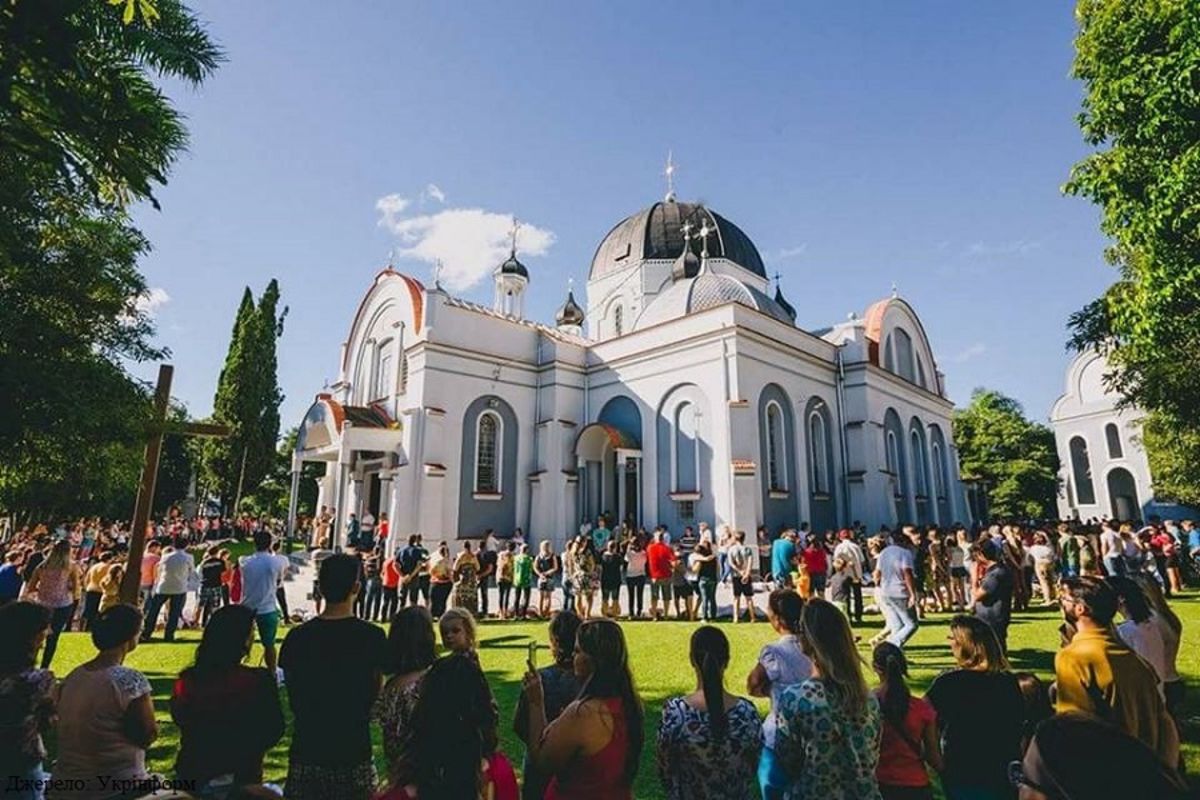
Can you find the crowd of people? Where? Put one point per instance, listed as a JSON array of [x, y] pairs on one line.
[[984, 730]]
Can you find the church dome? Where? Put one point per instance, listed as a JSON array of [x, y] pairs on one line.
[[656, 233], [570, 313], [707, 290], [511, 266]]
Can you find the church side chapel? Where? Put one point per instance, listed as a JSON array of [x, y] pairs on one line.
[[682, 391]]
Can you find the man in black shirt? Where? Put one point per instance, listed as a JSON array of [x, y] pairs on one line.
[[488, 559], [410, 560], [333, 667], [993, 598]]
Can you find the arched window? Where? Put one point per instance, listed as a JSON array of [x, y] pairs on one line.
[[686, 449], [618, 321], [893, 462], [383, 370], [818, 453], [488, 432], [921, 380], [939, 472], [1081, 468], [1113, 437], [776, 462], [918, 456], [904, 356], [889, 355]]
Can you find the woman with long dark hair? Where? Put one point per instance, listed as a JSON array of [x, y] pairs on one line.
[[26, 696], [828, 726], [708, 741], [214, 744], [910, 734], [456, 753], [1139, 630], [593, 748], [780, 664], [411, 649]]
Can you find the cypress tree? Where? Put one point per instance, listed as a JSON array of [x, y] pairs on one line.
[[223, 457], [247, 400]]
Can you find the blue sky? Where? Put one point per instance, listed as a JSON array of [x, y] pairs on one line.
[[858, 144]]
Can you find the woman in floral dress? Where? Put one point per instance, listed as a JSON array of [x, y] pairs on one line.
[[709, 740], [466, 580], [828, 727]]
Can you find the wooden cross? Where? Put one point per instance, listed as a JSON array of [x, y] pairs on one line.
[[159, 427]]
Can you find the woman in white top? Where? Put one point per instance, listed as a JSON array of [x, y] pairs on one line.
[[1044, 559], [105, 717], [1139, 630], [1171, 629], [780, 664]]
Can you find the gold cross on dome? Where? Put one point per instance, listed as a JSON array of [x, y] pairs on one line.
[[704, 233]]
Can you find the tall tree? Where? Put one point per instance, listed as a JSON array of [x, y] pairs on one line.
[[1139, 61], [84, 132], [1013, 456], [247, 400]]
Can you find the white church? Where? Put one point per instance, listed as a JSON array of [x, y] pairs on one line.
[[1104, 470], [683, 393]]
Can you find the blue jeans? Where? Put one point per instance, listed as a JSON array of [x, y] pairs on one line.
[[174, 612], [60, 618], [901, 620], [708, 599], [1114, 565], [772, 779]]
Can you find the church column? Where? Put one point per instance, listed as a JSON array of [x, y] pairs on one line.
[[293, 500], [341, 478], [385, 505], [620, 478]]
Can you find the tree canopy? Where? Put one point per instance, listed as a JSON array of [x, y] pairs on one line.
[[1139, 61], [84, 132], [1014, 457]]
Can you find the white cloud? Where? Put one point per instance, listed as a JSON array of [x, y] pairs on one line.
[[972, 351], [434, 192], [791, 252], [1020, 247], [470, 242], [390, 207], [152, 300]]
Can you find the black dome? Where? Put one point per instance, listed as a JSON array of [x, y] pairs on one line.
[[511, 266], [570, 313], [656, 233]]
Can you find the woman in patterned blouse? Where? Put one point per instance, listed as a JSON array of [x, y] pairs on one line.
[[828, 727], [411, 650], [708, 741]]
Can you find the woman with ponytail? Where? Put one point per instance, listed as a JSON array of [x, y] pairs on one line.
[[910, 732], [592, 749], [828, 727], [780, 664], [708, 741]]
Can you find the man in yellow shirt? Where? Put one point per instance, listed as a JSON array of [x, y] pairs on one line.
[[1098, 674]]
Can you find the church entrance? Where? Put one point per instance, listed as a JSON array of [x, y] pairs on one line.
[[610, 475], [1122, 495]]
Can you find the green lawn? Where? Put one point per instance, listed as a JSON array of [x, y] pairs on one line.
[[661, 669]]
